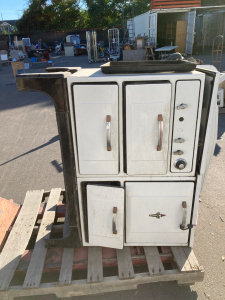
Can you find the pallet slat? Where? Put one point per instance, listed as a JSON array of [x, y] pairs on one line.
[[181, 259], [154, 262], [65, 276], [110, 284], [34, 272], [19, 237], [125, 266], [192, 258], [95, 269]]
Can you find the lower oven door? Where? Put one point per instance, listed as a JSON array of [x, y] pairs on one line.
[[156, 210], [105, 207]]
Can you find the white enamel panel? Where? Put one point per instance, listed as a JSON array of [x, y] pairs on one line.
[[187, 92], [92, 104], [100, 203], [143, 199], [144, 102]]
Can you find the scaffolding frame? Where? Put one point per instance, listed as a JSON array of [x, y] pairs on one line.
[[218, 40], [114, 43], [128, 26]]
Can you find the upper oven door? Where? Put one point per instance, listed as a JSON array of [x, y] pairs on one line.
[[96, 118], [147, 128]]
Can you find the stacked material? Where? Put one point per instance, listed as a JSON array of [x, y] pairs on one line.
[[160, 4]]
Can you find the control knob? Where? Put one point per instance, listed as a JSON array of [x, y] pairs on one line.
[[180, 164]]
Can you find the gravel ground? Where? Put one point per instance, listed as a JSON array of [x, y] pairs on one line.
[[30, 159]]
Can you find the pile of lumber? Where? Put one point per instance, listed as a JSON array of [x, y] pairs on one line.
[[163, 4]]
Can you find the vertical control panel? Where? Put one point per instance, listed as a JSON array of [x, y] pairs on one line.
[[184, 128]]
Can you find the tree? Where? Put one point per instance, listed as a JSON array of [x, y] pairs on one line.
[[43, 15], [108, 13]]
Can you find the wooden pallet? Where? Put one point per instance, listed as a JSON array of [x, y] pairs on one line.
[[164, 4], [103, 269]]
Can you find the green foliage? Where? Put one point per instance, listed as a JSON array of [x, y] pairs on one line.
[[5, 32], [45, 15], [108, 13]]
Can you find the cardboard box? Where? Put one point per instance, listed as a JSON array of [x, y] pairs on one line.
[[69, 51], [18, 67]]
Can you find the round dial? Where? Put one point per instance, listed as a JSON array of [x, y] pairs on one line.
[[180, 164]]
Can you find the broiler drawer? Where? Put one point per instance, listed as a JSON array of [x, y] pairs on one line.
[[154, 212]]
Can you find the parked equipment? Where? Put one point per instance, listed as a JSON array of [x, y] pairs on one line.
[[135, 151]]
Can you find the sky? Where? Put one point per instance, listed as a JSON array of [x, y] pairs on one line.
[[12, 9]]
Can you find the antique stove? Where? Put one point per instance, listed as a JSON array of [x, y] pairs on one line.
[[135, 149]]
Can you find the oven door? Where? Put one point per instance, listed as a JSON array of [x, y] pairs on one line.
[[105, 208], [147, 128], [96, 118], [155, 212]]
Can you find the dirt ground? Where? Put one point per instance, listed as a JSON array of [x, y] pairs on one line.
[[30, 159]]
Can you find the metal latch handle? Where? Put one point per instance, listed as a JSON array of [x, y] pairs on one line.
[[114, 229], [184, 217], [160, 134], [108, 132]]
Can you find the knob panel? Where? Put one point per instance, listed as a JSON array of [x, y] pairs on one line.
[[184, 126]]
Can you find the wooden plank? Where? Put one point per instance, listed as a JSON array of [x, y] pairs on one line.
[[65, 276], [154, 262], [181, 33], [181, 259], [34, 272], [95, 269], [125, 265], [192, 258], [19, 237], [175, 6]]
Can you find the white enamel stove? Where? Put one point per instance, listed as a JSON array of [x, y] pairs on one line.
[[143, 143]]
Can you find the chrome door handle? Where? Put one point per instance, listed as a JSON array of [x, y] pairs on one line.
[[184, 217], [160, 134], [114, 229], [179, 140], [182, 106], [108, 132]]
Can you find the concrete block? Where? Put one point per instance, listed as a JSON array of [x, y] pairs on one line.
[[133, 55]]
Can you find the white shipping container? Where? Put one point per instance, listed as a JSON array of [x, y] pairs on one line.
[[149, 23]]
